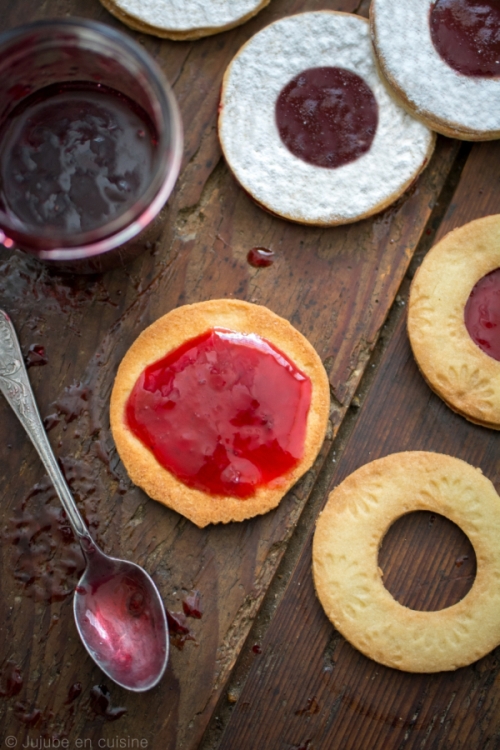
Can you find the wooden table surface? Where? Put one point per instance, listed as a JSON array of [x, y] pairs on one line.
[[263, 667]]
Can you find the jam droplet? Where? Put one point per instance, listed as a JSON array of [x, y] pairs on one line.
[[11, 681], [100, 703], [327, 116], [191, 605], [466, 34], [482, 314], [74, 692], [225, 412], [36, 356], [178, 629], [260, 257]]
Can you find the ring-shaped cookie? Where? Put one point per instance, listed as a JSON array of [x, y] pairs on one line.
[[348, 581], [463, 375], [183, 19], [165, 335], [453, 104], [285, 184]]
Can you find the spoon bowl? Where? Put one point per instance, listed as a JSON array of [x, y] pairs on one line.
[[121, 620], [118, 610]]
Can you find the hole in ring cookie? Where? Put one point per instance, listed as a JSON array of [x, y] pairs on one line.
[[428, 561], [345, 561]]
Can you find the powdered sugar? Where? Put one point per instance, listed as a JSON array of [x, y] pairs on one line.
[[261, 162], [402, 37], [185, 15]]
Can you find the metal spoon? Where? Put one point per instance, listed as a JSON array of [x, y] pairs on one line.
[[118, 610]]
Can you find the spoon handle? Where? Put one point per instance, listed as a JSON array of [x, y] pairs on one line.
[[16, 388]]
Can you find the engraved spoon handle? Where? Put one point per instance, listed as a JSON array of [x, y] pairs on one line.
[[16, 388]]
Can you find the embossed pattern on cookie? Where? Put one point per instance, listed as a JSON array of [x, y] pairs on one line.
[[345, 562], [454, 365]]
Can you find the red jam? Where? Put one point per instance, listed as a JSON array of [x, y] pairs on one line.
[[225, 413], [482, 314], [466, 34], [119, 626], [73, 156], [260, 257], [327, 116]]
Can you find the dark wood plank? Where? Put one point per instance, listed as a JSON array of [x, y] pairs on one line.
[[336, 286], [309, 689]]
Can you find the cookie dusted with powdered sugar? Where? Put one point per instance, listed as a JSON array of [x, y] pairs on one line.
[[309, 129], [348, 581], [183, 19], [442, 60]]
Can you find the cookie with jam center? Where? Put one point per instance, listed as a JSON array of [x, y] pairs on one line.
[[309, 129], [441, 59], [454, 320]]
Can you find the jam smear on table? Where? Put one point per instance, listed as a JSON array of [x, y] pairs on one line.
[[191, 605], [178, 629], [225, 412], [466, 34], [260, 257], [482, 314], [46, 558], [36, 356], [73, 156], [11, 681], [327, 116], [100, 702], [74, 692], [118, 623]]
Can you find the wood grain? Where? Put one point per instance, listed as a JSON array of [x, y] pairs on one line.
[[335, 286], [309, 689]]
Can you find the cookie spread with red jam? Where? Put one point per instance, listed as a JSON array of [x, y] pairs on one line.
[[218, 408]]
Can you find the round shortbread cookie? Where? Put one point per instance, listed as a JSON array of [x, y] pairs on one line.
[[349, 584], [454, 104], [166, 335], [453, 365], [183, 19], [285, 184]]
